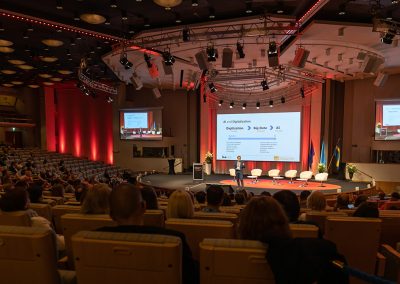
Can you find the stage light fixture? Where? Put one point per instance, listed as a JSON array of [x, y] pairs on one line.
[[186, 34], [125, 62], [231, 105], [272, 48], [212, 88], [244, 106], [283, 100], [248, 8], [212, 53], [302, 93], [264, 85], [239, 48], [109, 100], [220, 103], [388, 37], [169, 60], [258, 105], [271, 103], [147, 58]]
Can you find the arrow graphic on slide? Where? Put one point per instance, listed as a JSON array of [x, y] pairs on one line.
[[271, 127], [248, 127]]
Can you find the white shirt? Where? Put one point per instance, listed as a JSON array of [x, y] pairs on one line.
[[238, 165]]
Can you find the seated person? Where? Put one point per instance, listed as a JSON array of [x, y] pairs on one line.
[[96, 200], [342, 201], [127, 210], [35, 192], [215, 195], [393, 203], [300, 260], [226, 201], [360, 199], [265, 193], [290, 204], [180, 205], [150, 197], [315, 202], [240, 198], [200, 197], [303, 198], [367, 210]]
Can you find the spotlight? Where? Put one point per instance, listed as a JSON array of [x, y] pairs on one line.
[[231, 105], [76, 16], [178, 19], [302, 93], [169, 60], [220, 103], [125, 62], [388, 37], [342, 9], [124, 15], [186, 34], [244, 106], [283, 100], [264, 85], [25, 35], [271, 103], [239, 48], [258, 105], [204, 98], [195, 3], [212, 13], [131, 29], [272, 49], [212, 88], [248, 8], [107, 22], [59, 5], [113, 4], [147, 58], [212, 53], [30, 28], [109, 100]]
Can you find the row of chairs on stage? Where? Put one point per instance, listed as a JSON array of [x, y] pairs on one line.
[[304, 177]]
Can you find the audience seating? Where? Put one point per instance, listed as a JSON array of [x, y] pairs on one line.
[[390, 204], [60, 210], [357, 239], [17, 218], [197, 230], [230, 209], [319, 217], [217, 216], [224, 261], [392, 263], [291, 174], [390, 228], [43, 210], [28, 256], [304, 230], [154, 218], [108, 258]]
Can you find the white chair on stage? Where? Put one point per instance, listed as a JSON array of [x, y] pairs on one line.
[[232, 173], [255, 173], [274, 173], [291, 174], [321, 177], [304, 177]]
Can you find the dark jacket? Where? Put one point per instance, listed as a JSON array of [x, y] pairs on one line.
[[190, 270]]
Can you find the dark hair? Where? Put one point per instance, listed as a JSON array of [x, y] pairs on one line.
[[342, 201], [304, 194], [263, 219], [15, 199], [265, 193], [200, 197], [57, 190], [215, 194], [226, 201], [125, 201], [368, 210], [240, 198], [360, 199], [35, 192], [395, 196], [150, 196], [22, 183], [381, 195], [290, 204]]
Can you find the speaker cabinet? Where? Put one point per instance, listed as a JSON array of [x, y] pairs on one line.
[[273, 59], [371, 64], [227, 55], [381, 79], [136, 82], [300, 57], [156, 93]]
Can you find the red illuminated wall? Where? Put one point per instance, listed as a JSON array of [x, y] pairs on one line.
[[84, 124]]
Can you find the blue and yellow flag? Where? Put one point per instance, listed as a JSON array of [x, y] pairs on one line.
[[322, 158], [337, 156]]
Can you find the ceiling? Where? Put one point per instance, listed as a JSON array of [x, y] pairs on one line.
[[145, 19]]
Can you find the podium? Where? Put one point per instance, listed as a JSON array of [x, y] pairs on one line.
[[171, 166], [198, 174]]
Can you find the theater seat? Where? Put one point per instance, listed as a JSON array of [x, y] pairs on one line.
[[154, 218], [110, 258], [28, 256], [16, 218], [60, 210], [304, 230], [392, 263], [390, 233], [319, 217], [197, 230], [43, 210], [234, 262], [216, 216]]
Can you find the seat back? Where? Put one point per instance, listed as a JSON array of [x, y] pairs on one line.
[[291, 173], [60, 210], [390, 205], [43, 210], [232, 172], [319, 217], [217, 216], [306, 174], [154, 218], [16, 218], [357, 239], [390, 233], [274, 172], [234, 262], [256, 172], [27, 256], [197, 230], [108, 258], [392, 263], [304, 230], [321, 177]]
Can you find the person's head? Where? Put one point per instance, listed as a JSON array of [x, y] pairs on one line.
[[22, 183], [215, 195], [97, 200], [15, 199], [126, 205], [304, 195], [226, 200], [57, 190], [316, 201], [265, 193], [263, 219], [180, 205], [289, 202], [360, 199], [35, 192], [28, 173], [368, 210], [395, 196], [240, 198], [200, 197], [150, 197], [239, 158], [381, 195], [342, 201]]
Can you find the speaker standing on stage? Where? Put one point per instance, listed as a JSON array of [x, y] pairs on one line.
[[239, 166]]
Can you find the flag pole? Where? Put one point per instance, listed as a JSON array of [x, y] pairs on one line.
[[333, 154]]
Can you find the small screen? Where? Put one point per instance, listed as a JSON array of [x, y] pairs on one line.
[[141, 124], [387, 120]]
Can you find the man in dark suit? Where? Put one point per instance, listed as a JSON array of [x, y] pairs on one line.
[[127, 209], [239, 166]]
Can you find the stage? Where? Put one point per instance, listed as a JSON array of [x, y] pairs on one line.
[[184, 181]]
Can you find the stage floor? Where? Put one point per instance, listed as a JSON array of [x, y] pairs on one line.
[[182, 181]]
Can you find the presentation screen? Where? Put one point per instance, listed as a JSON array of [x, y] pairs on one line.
[[140, 124], [387, 120], [259, 136]]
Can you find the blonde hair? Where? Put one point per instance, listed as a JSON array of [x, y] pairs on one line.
[[316, 201], [97, 200], [180, 205]]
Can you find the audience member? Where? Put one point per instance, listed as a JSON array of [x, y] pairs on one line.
[[342, 201], [97, 200], [316, 202], [35, 193], [226, 201], [360, 199], [367, 209], [382, 195], [303, 198], [200, 197], [290, 204], [299, 260], [215, 195], [395, 196], [57, 190], [127, 210], [180, 205], [265, 193], [240, 198], [150, 197]]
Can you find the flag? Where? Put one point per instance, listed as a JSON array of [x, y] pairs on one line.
[[311, 154], [337, 156], [322, 159]]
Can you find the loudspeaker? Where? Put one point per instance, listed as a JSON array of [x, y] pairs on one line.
[[361, 55], [167, 68], [227, 188], [156, 93], [380, 79], [300, 57], [136, 82], [172, 150], [371, 64], [273, 59], [227, 55], [201, 58]]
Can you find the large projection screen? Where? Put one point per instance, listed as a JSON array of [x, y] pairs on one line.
[[387, 120], [259, 136]]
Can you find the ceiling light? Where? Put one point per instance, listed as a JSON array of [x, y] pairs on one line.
[[8, 85], [33, 86], [107, 22], [220, 103], [17, 82], [231, 105], [76, 16], [125, 62], [48, 83], [147, 59], [248, 8], [16, 61], [30, 28], [186, 34], [395, 1], [244, 106], [4, 42], [59, 5], [64, 72], [49, 59], [25, 35], [239, 48], [212, 88], [212, 53], [56, 79], [113, 4], [25, 67], [342, 9], [94, 19], [195, 3], [131, 29], [1, 27], [272, 48], [78, 36], [264, 85], [146, 22], [212, 13], [52, 42], [68, 53], [258, 105], [168, 4], [271, 103], [8, 72], [6, 49], [389, 16], [124, 15], [302, 93], [178, 19], [283, 100], [44, 75]]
